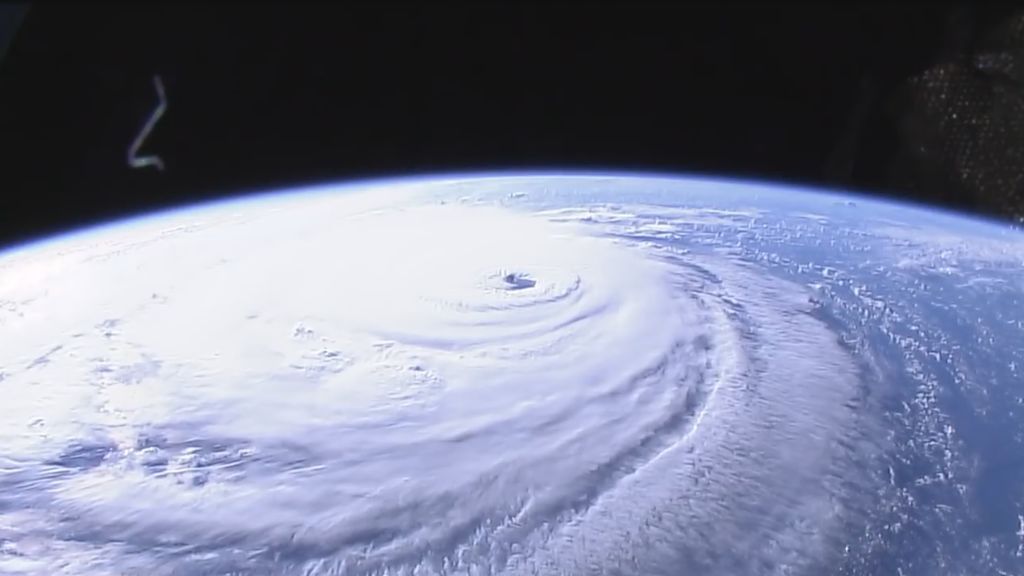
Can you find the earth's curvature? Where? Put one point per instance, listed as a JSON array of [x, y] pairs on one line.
[[516, 374]]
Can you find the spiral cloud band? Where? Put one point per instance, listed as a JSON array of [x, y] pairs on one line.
[[378, 382]]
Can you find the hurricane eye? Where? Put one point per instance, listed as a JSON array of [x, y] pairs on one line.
[[516, 281]]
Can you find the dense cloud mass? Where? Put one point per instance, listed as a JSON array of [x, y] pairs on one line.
[[429, 378]]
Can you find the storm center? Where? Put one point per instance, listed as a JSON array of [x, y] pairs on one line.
[[518, 281]]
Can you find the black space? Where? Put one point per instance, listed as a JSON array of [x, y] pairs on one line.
[[265, 96]]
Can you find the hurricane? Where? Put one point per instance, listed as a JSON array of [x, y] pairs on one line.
[[446, 376]]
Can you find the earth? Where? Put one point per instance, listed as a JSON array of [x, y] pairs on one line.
[[543, 373]]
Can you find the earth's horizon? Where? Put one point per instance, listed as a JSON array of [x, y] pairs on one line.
[[516, 373]]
